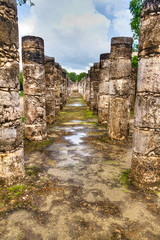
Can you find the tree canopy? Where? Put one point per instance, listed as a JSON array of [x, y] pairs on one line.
[[76, 77], [21, 2], [135, 8]]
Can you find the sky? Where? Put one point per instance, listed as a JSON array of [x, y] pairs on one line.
[[75, 32]]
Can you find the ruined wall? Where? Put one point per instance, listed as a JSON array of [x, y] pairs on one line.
[[34, 88], [49, 95], [120, 74], [11, 134], [146, 145], [103, 98]]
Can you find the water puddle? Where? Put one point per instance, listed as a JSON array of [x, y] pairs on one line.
[[68, 162], [76, 139], [75, 105]]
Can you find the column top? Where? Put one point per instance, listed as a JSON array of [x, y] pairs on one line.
[[49, 59], [121, 40], [11, 3], [150, 6], [96, 65], [104, 56], [32, 42]]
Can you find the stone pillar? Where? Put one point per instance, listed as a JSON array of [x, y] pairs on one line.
[[88, 88], [133, 86], [120, 74], [146, 146], [11, 133], [49, 96], [103, 98], [91, 88], [34, 88], [57, 88], [96, 86]]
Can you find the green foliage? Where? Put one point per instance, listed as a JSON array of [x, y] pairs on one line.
[[21, 93], [81, 76], [125, 178], [135, 8], [21, 2], [75, 77], [21, 81], [135, 62]]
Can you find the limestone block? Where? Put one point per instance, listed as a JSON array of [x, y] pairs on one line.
[[149, 75], [119, 87], [149, 116], [118, 118], [146, 141], [120, 68]]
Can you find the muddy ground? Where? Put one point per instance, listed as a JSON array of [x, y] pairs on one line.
[[77, 186]]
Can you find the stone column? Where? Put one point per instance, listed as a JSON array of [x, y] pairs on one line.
[[146, 145], [103, 98], [49, 96], [11, 133], [96, 86], [34, 88], [88, 88], [133, 86], [120, 74], [91, 88], [57, 88]]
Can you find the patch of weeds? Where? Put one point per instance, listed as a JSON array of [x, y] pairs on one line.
[[33, 171], [125, 178], [89, 114], [21, 93], [22, 119], [103, 139], [31, 146], [132, 114]]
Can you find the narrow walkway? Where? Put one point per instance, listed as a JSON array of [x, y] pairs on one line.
[[79, 187]]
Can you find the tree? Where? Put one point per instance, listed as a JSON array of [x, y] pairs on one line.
[[135, 8], [80, 76], [21, 2]]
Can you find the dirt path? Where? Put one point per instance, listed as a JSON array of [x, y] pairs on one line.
[[77, 187]]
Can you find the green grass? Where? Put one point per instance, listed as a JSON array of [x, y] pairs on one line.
[[125, 178], [21, 93], [132, 113], [22, 119]]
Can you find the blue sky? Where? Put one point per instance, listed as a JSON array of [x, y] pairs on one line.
[[76, 32]]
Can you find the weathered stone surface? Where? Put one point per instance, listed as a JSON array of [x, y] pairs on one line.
[[146, 146], [91, 88], [120, 112], [133, 87], [49, 96], [34, 88], [11, 134], [119, 88], [96, 81], [57, 88], [103, 98]]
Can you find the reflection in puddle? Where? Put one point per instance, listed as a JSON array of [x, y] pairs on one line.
[[76, 121], [68, 162], [76, 139], [75, 105]]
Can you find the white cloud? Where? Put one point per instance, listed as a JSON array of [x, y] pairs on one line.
[[74, 32], [121, 23]]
